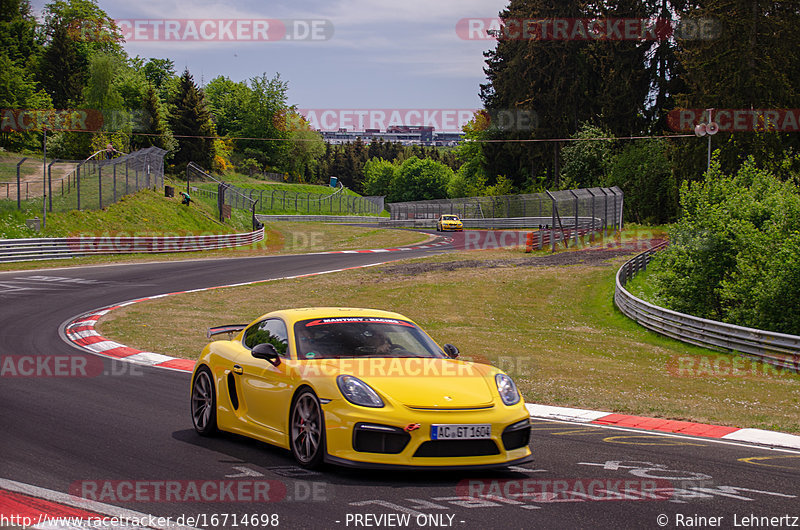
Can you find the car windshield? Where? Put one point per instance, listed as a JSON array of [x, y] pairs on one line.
[[347, 337], [449, 218]]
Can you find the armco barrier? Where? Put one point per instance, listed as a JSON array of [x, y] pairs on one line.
[[773, 348], [12, 250], [496, 223], [353, 219]]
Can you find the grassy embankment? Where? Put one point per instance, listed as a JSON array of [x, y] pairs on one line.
[[150, 213], [554, 328], [275, 192]]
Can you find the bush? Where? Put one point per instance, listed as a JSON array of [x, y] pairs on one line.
[[642, 170], [420, 180], [735, 251]]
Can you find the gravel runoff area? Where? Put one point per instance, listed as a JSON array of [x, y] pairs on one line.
[[594, 257]]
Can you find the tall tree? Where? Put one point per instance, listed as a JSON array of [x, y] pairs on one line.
[[753, 63], [228, 101], [191, 125], [18, 31], [63, 69], [263, 126], [153, 125], [158, 71]]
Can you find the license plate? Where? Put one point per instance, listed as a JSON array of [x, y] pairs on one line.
[[461, 432]]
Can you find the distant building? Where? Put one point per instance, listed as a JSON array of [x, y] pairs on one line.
[[403, 134]]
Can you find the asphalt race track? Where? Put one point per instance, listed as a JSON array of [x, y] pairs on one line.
[[122, 433]]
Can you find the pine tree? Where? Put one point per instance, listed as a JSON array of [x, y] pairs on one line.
[[753, 63], [62, 69], [191, 125], [153, 125]]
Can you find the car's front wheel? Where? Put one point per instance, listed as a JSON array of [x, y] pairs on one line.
[[204, 403], [307, 429]]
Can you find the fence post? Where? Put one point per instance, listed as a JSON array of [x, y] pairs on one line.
[[553, 224], [575, 228], [78, 184], [50, 186], [605, 212], [615, 207], [115, 183], [100, 186], [127, 190], [19, 189], [591, 237]]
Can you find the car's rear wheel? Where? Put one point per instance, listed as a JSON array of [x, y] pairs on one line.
[[204, 403], [307, 429]]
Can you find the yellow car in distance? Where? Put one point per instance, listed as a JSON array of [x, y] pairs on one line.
[[359, 388], [449, 222]]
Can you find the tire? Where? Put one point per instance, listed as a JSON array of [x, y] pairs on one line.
[[307, 430], [204, 403]]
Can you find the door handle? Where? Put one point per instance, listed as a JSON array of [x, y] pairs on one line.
[[237, 369]]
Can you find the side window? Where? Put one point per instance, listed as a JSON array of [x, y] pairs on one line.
[[272, 331]]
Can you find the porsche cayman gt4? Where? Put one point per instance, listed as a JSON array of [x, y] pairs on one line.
[[360, 388]]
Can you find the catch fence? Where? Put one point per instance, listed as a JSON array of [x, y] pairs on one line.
[[283, 201], [592, 208], [88, 184]]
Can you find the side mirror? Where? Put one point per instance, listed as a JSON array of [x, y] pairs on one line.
[[267, 352], [451, 351]]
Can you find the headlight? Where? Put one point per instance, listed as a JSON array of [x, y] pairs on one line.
[[507, 389], [358, 392]]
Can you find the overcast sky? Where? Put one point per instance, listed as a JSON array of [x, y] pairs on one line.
[[381, 54]]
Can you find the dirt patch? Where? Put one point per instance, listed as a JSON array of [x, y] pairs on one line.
[[593, 257]]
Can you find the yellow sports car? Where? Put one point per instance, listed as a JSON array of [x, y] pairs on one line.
[[449, 222], [357, 387]]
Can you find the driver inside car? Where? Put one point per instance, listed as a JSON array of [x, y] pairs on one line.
[[376, 341]]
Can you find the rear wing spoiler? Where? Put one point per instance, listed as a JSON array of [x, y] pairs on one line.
[[230, 329]]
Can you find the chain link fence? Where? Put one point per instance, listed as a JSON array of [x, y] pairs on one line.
[[284, 201], [90, 184], [591, 208]]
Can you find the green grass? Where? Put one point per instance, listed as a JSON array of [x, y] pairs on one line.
[[150, 213], [554, 329], [279, 198], [144, 212], [8, 167]]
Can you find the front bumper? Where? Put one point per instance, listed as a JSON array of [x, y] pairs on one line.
[[347, 445]]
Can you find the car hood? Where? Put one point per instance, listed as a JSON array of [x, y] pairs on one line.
[[422, 383]]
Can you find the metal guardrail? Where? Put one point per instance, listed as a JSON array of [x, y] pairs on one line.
[[777, 349], [355, 219], [497, 223], [35, 249]]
